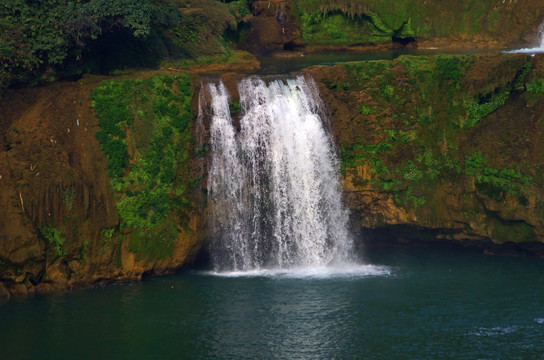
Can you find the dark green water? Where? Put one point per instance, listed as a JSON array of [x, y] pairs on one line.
[[418, 305]]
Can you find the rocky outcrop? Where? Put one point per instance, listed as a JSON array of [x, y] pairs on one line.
[[447, 149], [318, 25], [272, 27], [59, 225]]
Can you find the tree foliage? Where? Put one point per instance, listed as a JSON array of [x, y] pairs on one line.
[[36, 35]]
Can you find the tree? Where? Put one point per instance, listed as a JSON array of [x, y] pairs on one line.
[[36, 35]]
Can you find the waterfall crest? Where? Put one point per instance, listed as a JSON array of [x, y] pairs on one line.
[[273, 189]]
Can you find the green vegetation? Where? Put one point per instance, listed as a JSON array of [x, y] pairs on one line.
[[83, 252], [54, 237], [477, 109], [334, 28], [536, 86], [512, 231], [384, 20], [40, 35], [108, 233], [112, 109], [208, 27], [481, 106], [68, 196], [45, 40], [148, 119], [493, 182], [425, 106], [365, 110], [235, 107]]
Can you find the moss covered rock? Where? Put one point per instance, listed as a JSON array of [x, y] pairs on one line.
[[434, 22], [451, 144]]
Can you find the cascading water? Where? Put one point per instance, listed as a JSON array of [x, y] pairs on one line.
[[274, 194], [538, 49]]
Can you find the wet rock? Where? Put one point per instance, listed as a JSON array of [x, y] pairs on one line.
[[272, 28]]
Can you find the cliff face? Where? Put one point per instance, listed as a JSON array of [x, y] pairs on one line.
[[323, 24], [444, 149], [60, 226]]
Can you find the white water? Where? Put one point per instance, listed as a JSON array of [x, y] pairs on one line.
[[316, 273], [273, 190], [538, 49]]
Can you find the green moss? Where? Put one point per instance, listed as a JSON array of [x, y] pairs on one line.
[[407, 19], [405, 31], [536, 87], [151, 191], [83, 252], [449, 68], [482, 105], [54, 237], [111, 104], [512, 231], [493, 182], [108, 233], [333, 27], [412, 173], [68, 196], [234, 107], [156, 244], [360, 72], [365, 110]]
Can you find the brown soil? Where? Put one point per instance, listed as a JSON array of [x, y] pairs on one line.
[[53, 173]]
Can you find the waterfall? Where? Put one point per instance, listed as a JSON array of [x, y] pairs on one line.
[[538, 49], [273, 189], [541, 31]]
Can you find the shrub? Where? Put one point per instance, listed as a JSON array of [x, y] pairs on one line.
[[54, 237]]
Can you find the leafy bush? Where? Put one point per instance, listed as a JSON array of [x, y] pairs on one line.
[[54, 237], [39, 34], [365, 109], [411, 172], [449, 68]]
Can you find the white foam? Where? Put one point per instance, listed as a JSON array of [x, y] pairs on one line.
[[531, 51], [494, 331], [540, 321], [320, 272]]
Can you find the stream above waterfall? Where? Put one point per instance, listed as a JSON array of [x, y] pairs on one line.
[[297, 61]]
